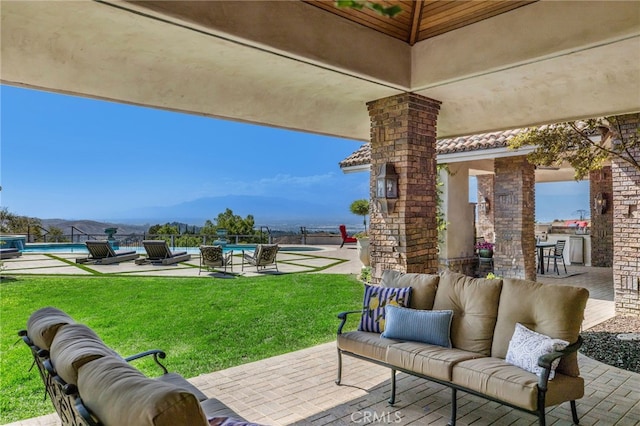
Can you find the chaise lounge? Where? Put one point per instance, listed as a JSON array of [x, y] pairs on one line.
[[8, 253], [158, 252], [101, 253]]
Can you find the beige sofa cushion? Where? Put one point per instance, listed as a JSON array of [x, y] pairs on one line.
[[474, 303], [430, 360], [43, 325], [423, 286], [118, 394], [496, 378], [73, 346], [553, 310], [364, 343]]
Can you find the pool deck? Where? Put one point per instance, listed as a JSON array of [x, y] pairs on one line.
[[298, 388], [329, 259]]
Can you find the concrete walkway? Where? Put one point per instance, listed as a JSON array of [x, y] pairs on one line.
[[298, 388], [329, 259]]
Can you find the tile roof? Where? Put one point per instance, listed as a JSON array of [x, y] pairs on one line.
[[362, 156]]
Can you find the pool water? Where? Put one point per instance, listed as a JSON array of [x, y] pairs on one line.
[[81, 248]]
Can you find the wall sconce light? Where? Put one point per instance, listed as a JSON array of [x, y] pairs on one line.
[[600, 203], [387, 187], [483, 205]]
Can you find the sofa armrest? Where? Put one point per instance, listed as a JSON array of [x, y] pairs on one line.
[[157, 353], [546, 360], [342, 316]]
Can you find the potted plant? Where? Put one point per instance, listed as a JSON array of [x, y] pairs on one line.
[[361, 208], [485, 249]]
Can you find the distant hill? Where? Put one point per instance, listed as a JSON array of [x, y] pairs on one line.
[[266, 210], [92, 227]]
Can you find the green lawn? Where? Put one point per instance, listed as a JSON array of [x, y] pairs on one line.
[[203, 324]]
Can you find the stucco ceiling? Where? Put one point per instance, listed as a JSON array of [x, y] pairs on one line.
[[294, 65]]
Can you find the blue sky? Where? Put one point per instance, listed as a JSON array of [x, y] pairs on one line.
[[77, 158], [71, 157]]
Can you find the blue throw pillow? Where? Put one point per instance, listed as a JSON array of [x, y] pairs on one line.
[[376, 298], [433, 327]]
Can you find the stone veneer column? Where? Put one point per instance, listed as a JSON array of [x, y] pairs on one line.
[[626, 224], [601, 223], [484, 227], [514, 215], [403, 132]]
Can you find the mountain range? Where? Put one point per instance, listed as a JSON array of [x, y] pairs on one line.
[[265, 210], [276, 212]]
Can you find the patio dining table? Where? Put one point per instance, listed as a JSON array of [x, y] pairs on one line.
[[541, 245]]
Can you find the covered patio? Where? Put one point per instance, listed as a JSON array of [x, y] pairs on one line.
[[271, 391], [300, 66]]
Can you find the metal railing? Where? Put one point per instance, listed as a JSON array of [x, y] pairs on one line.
[[263, 235]]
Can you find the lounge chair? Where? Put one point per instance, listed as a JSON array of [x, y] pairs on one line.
[[213, 256], [101, 253], [7, 253], [345, 237], [158, 251], [263, 256]]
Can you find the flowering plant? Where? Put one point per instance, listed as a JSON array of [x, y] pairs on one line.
[[484, 245]]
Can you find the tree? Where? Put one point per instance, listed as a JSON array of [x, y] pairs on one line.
[[585, 145], [390, 11], [361, 208], [166, 229], [235, 224], [56, 234], [12, 223]]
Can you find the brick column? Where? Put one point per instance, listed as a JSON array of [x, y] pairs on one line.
[[484, 226], [626, 225], [601, 223], [403, 132], [514, 215]]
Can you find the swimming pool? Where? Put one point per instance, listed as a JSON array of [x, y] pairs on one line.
[[60, 248]]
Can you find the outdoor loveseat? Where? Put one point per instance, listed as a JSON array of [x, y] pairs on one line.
[[508, 340], [90, 384]]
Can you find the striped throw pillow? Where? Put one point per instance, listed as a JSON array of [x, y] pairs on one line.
[[375, 300]]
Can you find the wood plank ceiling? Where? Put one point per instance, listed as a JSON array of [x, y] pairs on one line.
[[422, 19]]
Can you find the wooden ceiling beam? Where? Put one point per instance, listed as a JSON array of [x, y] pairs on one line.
[[415, 22]]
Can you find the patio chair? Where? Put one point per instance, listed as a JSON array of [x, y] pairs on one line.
[[263, 256], [557, 254], [158, 251], [213, 256], [101, 252], [345, 237]]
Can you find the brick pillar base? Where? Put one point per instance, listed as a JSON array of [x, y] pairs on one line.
[[403, 132], [626, 225], [514, 218]]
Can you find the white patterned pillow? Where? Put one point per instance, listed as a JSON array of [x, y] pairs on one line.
[[526, 346]]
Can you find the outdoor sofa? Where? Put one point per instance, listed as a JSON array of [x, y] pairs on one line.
[[508, 340], [90, 384]]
